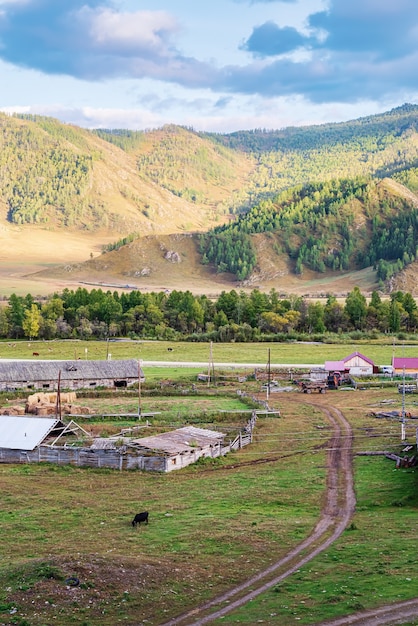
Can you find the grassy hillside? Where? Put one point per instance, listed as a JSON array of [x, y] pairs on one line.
[[189, 166], [67, 177], [66, 192], [333, 225], [320, 237]]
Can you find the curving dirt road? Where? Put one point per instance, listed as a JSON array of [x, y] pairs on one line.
[[399, 613], [337, 512]]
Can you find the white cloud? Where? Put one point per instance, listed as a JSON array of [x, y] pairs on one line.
[[133, 33]]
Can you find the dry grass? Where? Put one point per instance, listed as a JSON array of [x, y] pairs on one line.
[[41, 262]]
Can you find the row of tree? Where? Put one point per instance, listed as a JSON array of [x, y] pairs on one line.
[[236, 316]]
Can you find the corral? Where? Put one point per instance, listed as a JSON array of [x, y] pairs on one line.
[[34, 440]]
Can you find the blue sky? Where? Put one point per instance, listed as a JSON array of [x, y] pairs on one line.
[[222, 65]]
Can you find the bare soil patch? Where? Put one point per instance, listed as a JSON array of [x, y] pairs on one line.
[[84, 587]]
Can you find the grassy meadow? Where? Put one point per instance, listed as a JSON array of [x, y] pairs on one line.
[[380, 351], [373, 562]]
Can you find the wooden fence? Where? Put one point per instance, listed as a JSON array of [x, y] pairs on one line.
[[123, 457]]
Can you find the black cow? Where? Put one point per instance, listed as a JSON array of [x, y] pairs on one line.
[[140, 517]]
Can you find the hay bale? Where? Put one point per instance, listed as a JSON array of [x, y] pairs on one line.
[[13, 410], [69, 397], [45, 409], [38, 398]]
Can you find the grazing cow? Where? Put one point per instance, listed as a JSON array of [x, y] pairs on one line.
[[170, 349], [140, 517], [35, 353]]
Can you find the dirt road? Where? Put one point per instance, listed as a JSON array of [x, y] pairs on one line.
[[336, 514]]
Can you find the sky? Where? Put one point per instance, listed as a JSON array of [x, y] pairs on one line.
[[220, 65]]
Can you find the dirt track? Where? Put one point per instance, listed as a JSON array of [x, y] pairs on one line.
[[336, 514], [338, 509]]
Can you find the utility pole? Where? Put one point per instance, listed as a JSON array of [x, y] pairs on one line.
[[268, 375], [211, 366], [139, 389], [403, 436], [58, 413]]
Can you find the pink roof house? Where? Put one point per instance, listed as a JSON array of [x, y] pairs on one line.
[[410, 364], [356, 364]]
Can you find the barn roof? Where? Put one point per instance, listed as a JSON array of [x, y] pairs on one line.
[[25, 433], [360, 356], [181, 440], [400, 362], [335, 366], [21, 371]]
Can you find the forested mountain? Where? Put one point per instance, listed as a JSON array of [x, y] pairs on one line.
[[333, 225], [325, 199], [378, 145], [390, 124], [53, 173], [181, 160], [60, 176]]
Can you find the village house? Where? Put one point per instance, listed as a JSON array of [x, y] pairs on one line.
[[355, 364], [407, 365]]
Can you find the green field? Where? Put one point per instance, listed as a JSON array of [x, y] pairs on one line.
[[211, 525], [380, 352]]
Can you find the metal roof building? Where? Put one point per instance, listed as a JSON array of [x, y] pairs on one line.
[[409, 364], [80, 374], [26, 433], [180, 441]]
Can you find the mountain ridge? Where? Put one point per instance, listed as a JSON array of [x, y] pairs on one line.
[[82, 186]]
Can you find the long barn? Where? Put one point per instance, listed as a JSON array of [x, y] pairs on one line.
[[44, 375]]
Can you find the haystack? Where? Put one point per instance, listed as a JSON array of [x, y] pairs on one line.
[[13, 410], [46, 403]]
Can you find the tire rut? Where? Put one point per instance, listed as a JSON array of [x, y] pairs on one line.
[[337, 511]]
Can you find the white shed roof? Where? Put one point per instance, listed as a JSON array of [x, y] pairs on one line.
[[24, 433]]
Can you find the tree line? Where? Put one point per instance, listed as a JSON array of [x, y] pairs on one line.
[[233, 316]]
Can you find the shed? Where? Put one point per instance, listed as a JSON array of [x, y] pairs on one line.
[[182, 446], [27, 433], [80, 374], [407, 364], [335, 366]]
